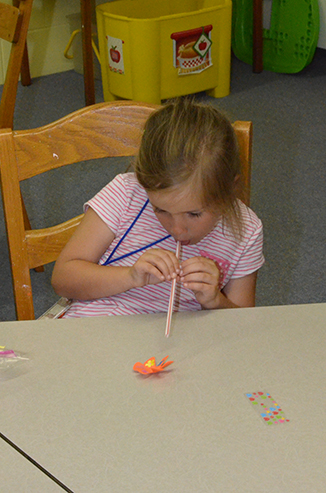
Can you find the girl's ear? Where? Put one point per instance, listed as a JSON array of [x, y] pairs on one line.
[[237, 183], [238, 187]]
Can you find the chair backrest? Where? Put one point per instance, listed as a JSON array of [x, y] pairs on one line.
[[97, 131], [14, 22], [243, 130]]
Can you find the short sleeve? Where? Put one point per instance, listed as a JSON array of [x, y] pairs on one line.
[[252, 257], [110, 203]]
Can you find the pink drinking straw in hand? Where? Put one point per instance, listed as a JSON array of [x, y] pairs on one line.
[[171, 301]]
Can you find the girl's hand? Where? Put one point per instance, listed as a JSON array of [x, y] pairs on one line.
[[201, 275], [154, 266]]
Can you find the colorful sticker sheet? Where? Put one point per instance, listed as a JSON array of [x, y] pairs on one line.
[[268, 409]]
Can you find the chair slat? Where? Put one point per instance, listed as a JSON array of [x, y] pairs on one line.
[[104, 132], [44, 245], [8, 22]]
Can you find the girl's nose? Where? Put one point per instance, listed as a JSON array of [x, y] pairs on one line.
[[178, 229]]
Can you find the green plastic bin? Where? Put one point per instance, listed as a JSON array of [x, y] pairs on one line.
[[291, 39]]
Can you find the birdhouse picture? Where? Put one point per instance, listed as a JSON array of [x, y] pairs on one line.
[[192, 50]]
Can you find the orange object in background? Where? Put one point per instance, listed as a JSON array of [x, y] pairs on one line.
[[150, 366]]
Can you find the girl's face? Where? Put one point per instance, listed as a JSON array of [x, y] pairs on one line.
[[182, 214]]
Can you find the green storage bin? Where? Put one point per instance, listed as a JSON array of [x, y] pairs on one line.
[[290, 41]]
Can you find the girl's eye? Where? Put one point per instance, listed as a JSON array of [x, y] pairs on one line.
[[195, 214], [157, 210]]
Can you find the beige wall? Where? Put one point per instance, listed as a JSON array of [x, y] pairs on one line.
[[322, 33]]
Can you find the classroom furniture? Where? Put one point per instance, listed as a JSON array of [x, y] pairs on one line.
[[78, 408], [104, 130], [14, 22], [21, 62], [152, 51], [257, 39], [101, 130], [20, 475], [86, 9], [282, 46]]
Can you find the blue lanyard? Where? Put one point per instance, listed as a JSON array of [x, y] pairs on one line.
[[109, 260]]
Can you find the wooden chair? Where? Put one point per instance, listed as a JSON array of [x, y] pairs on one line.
[[14, 22], [101, 130], [243, 130]]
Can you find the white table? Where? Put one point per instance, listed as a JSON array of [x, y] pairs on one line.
[[18, 474], [78, 408]]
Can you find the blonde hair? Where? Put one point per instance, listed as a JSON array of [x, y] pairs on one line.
[[185, 141]]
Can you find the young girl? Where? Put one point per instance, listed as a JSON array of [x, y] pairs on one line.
[[121, 259]]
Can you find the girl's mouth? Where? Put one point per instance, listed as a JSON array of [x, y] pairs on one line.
[[185, 242]]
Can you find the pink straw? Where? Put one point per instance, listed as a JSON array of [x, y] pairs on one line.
[[171, 301]]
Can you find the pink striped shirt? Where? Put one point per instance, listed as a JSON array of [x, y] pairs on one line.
[[118, 204]]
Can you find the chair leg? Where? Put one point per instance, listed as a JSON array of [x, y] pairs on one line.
[[257, 50], [24, 70], [86, 18], [27, 225]]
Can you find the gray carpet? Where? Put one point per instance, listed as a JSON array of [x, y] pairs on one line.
[[288, 179]]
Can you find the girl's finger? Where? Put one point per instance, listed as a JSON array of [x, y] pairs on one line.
[[198, 287], [191, 261], [164, 261], [200, 266], [201, 277]]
